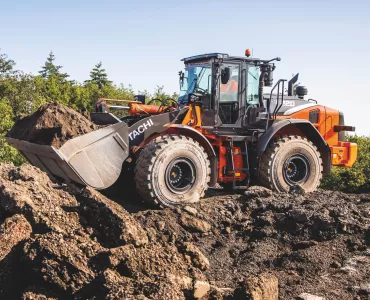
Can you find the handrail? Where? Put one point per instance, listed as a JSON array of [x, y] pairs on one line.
[[277, 85], [276, 110]]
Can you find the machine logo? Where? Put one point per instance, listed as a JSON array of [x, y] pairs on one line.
[[132, 135]]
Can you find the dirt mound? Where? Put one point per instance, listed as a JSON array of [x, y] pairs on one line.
[[52, 124], [316, 243], [254, 246], [81, 246]]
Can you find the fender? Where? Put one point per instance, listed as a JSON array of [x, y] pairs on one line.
[[307, 129], [203, 141]]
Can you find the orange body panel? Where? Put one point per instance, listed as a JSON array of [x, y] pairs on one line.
[[327, 119], [193, 117], [222, 163], [344, 155]]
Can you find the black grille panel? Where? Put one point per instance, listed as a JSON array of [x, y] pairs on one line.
[[313, 116]]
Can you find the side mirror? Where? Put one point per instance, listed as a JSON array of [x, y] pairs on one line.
[[269, 79], [225, 75], [181, 78], [268, 70]]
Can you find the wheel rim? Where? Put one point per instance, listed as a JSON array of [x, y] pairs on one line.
[[296, 169], [180, 175]]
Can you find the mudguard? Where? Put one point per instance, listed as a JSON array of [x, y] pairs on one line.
[[307, 129]]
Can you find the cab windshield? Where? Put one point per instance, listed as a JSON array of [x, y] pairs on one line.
[[197, 79]]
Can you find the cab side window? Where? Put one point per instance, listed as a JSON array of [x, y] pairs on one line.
[[252, 85], [229, 91]]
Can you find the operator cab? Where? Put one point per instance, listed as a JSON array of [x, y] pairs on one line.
[[227, 88]]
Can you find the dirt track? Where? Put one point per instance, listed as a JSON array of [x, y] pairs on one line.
[[61, 245]]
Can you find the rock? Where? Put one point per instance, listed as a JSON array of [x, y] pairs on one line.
[[115, 225], [118, 287], [297, 190], [160, 225], [306, 296], [121, 287], [299, 215], [12, 231], [263, 287], [200, 289], [194, 224], [365, 289], [198, 259], [154, 260], [36, 293], [304, 245], [257, 191], [348, 270], [190, 210], [185, 282], [335, 264]]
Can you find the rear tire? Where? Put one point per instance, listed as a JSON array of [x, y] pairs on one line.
[[290, 161], [172, 170]]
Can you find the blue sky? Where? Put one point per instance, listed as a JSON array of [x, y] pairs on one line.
[[141, 42]]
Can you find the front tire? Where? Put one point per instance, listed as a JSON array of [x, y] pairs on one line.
[[290, 161], [172, 170]]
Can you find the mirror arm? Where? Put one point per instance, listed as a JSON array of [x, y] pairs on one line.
[[260, 87]]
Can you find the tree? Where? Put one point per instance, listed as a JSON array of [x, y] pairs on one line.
[[98, 76], [6, 65], [52, 70]]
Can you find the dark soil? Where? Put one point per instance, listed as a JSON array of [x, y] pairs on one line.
[[52, 124], [59, 245]]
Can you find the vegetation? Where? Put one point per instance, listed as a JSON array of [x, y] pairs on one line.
[[357, 178], [99, 76], [21, 94], [52, 70]]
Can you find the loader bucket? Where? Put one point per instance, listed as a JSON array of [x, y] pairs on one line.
[[94, 159]]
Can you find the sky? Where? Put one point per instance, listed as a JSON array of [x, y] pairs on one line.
[[142, 42]]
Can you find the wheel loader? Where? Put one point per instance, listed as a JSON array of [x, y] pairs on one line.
[[224, 129]]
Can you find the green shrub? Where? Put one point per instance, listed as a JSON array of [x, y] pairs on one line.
[[7, 153], [357, 178]]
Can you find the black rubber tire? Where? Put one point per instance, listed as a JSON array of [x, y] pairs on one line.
[[152, 164], [273, 159]]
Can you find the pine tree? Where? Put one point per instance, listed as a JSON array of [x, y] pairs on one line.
[[6, 65], [99, 76], [50, 69]]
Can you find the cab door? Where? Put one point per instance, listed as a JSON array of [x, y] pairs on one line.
[[230, 104]]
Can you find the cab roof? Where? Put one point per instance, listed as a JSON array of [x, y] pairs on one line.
[[205, 56], [217, 55]]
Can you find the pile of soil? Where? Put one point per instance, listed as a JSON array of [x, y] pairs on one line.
[[52, 124], [58, 245]]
